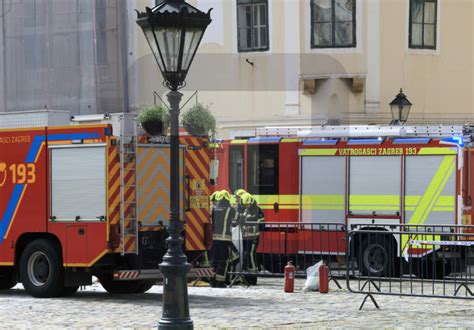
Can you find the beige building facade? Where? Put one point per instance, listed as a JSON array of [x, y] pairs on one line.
[[309, 62]]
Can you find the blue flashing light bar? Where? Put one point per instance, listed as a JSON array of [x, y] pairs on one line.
[[459, 140], [365, 141], [412, 141], [320, 142], [271, 139]]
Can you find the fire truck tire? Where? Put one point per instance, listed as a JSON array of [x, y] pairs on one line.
[[41, 270], [8, 279], [377, 257], [125, 287]]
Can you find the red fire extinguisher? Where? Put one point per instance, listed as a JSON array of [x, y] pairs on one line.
[[324, 279], [289, 277]]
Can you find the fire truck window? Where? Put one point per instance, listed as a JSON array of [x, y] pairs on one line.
[[263, 169], [236, 168]]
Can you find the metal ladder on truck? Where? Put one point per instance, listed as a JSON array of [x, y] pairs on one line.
[[129, 228]]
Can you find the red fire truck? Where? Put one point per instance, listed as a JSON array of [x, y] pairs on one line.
[[352, 176], [90, 197]]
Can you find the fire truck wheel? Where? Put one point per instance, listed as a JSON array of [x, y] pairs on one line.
[[376, 257], [125, 287], [8, 279], [41, 270]]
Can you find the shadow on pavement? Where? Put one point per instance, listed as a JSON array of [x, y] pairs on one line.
[[149, 298]]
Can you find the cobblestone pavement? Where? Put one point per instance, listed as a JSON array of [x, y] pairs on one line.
[[262, 306]]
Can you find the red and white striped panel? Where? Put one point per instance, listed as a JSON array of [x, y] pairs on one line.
[[204, 272], [127, 274]]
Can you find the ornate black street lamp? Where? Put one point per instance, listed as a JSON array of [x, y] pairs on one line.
[[400, 107], [174, 30]]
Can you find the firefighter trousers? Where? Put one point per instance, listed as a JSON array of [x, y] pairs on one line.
[[220, 259], [250, 254]]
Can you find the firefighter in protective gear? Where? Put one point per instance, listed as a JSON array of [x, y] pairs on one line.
[[252, 221], [222, 216], [239, 208]]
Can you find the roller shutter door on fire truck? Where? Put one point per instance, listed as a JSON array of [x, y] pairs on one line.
[[323, 189], [153, 184], [78, 183], [430, 190], [375, 186]]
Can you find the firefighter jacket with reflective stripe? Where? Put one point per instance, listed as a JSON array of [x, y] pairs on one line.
[[253, 222], [239, 215], [222, 216]]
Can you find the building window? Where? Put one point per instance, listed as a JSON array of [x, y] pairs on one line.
[[333, 23], [423, 21], [252, 25]]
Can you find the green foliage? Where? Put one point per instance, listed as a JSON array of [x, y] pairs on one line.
[[154, 120], [154, 114], [199, 121]]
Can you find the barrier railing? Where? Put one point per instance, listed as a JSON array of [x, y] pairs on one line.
[[410, 260], [267, 253]]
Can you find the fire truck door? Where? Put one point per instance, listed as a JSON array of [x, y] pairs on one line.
[[322, 189], [375, 186], [78, 183], [153, 184], [430, 190]]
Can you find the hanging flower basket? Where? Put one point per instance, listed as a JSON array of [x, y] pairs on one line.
[[154, 120], [199, 121]]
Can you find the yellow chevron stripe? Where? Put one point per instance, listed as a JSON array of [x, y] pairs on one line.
[[191, 234]]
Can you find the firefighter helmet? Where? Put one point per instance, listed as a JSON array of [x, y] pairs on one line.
[[224, 194], [239, 192], [247, 199], [213, 197]]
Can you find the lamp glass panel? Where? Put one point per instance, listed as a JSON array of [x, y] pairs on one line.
[[395, 112], [169, 40], [404, 113], [150, 37], [191, 44]]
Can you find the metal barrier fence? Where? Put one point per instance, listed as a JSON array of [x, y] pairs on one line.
[[410, 260], [277, 243]]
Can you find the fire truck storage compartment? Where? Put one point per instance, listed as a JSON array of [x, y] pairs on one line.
[[153, 185], [375, 185], [323, 190], [78, 182], [430, 190]]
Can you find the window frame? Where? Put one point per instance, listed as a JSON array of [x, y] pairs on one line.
[[253, 4], [256, 188], [410, 26], [333, 20], [235, 185]]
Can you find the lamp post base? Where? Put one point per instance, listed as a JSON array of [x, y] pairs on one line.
[[175, 295]]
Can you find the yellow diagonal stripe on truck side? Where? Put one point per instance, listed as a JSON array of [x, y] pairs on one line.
[[431, 195], [438, 151]]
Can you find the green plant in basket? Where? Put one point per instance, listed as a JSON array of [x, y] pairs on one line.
[[154, 120], [199, 121]]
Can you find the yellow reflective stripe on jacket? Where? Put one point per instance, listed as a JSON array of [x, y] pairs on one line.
[[431, 195]]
